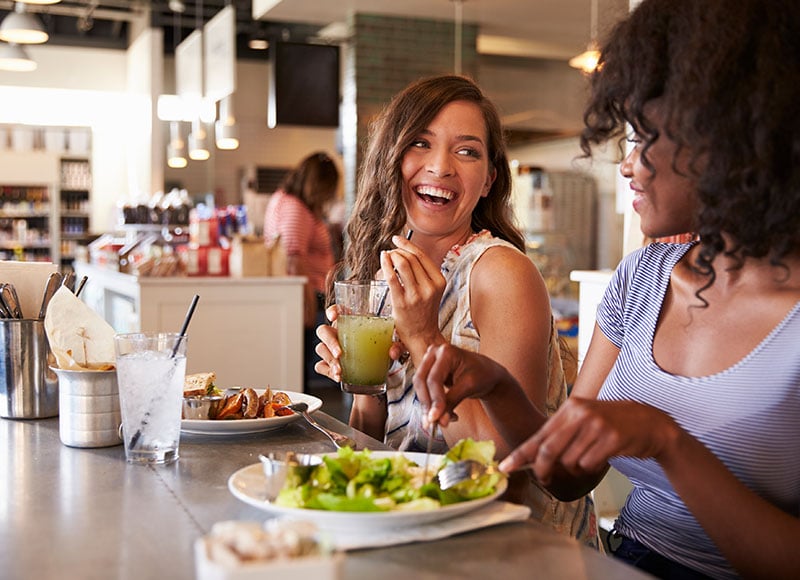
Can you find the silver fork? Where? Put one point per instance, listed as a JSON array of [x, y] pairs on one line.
[[337, 439], [464, 470]]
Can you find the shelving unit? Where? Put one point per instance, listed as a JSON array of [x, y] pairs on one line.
[[26, 215], [45, 192], [74, 196]]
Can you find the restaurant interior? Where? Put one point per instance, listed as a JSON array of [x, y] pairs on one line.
[[135, 123]]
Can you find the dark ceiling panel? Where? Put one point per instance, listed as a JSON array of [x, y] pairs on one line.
[[107, 23]]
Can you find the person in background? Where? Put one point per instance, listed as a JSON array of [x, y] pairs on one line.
[[691, 384], [295, 216], [436, 165]]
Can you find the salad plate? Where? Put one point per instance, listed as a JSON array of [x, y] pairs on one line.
[[243, 426], [249, 485]]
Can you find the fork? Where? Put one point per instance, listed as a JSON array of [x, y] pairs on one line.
[[337, 439], [464, 470]]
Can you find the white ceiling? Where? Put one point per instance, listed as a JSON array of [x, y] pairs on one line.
[[555, 29]]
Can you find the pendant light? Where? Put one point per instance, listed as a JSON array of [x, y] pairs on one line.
[[176, 149], [198, 137], [22, 28], [13, 57], [227, 135], [198, 141], [458, 21], [587, 60]]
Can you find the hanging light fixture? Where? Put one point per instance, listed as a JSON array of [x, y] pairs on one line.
[[176, 149], [22, 28], [458, 20], [198, 142], [587, 60], [226, 131], [14, 58], [40, 2]]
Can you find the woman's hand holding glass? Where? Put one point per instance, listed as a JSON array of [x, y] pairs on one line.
[[416, 285]]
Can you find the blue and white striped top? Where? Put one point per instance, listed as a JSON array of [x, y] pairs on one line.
[[747, 415]]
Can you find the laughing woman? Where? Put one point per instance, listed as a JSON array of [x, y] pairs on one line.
[[437, 165]]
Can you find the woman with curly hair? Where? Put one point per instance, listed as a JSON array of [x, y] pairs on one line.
[[691, 384], [436, 165]]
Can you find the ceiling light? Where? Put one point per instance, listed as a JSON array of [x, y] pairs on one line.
[[176, 149], [227, 134], [40, 2], [258, 44], [198, 142], [14, 58], [587, 60], [22, 28]]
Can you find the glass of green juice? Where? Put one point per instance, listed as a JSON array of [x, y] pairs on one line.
[[366, 329]]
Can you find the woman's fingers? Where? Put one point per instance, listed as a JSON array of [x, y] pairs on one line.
[[329, 350], [429, 384]]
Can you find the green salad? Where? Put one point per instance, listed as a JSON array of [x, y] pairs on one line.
[[356, 481]]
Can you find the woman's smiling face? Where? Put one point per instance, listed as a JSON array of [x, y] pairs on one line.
[[446, 171], [664, 196]]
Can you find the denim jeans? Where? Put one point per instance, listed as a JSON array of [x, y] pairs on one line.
[[640, 556]]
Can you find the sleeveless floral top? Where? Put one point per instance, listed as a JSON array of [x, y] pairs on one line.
[[404, 425]]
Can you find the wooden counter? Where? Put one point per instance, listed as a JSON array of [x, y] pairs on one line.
[[249, 331]]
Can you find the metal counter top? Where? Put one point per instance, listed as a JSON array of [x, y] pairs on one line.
[[87, 514]]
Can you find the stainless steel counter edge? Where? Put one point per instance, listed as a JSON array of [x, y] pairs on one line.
[[87, 514]]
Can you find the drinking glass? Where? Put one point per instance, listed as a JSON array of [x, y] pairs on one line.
[[151, 367], [366, 328]]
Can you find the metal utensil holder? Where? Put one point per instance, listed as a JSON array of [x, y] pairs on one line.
[[28, 388]]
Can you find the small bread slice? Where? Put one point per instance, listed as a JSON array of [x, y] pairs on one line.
[[198, 384]]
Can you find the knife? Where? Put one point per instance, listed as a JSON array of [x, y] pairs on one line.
[[53, 282], [69, 281], [79, 287]]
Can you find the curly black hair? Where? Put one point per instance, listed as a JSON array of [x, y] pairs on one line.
[[727, 75]]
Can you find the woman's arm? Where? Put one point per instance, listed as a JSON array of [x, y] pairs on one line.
[[368, 414], [514, 321], [755, 536]]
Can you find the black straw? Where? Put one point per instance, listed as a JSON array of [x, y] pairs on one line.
[[186, 322], [386, 292], [136, 436]]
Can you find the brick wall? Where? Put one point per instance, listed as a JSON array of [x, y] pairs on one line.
[[384, 55]]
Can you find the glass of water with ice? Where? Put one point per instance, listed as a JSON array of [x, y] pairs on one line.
[[151, 367]]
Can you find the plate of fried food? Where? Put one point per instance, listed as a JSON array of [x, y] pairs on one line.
[[208, 410]]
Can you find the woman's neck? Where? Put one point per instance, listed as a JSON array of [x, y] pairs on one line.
[[437, 247]]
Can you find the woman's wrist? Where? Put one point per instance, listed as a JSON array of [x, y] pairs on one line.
[[418, 346]]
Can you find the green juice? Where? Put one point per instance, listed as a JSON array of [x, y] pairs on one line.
[[365, 342]]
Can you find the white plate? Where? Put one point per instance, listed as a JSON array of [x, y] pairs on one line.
[[248, 484], [241, 426]]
